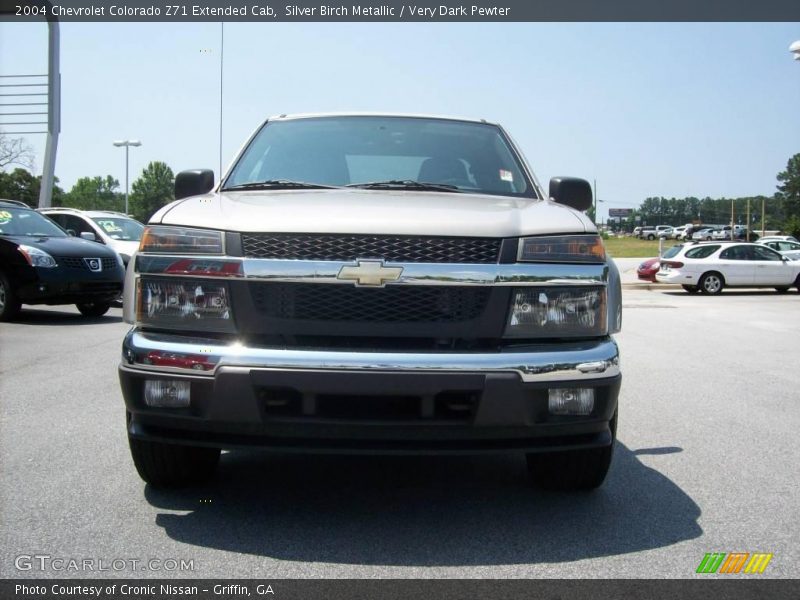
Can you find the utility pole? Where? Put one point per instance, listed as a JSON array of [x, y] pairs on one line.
[[53, 114], [747, 231]]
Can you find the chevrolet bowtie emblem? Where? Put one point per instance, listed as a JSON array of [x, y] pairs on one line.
[[370, 273]]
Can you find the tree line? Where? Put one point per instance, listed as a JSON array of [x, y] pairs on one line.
[[153, 189], [781, 210]]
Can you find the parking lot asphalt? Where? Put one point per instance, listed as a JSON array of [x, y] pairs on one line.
[[707, 461]]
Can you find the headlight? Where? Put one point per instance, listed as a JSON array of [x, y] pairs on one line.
[[180, 240], [36, 257], [557, 312], [178, 304], [562, 249]]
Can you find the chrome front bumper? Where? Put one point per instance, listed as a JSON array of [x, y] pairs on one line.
[[568, 361]]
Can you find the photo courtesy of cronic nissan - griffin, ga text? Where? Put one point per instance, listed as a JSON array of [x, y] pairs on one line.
[[366, 283]]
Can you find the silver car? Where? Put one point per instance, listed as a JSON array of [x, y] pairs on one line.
[[703, 234], [116, 230]]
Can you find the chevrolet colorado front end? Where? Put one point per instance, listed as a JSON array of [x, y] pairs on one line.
[[370, 283]]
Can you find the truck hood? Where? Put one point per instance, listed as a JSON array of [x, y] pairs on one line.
[[374, 212]]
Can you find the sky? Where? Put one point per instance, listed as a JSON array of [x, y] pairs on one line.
[[645, 109]]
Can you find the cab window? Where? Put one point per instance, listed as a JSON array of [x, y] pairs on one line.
[[701, 251], [737, 253], [766, 254]]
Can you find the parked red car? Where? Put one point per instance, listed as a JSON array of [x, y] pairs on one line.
[[648, 269]]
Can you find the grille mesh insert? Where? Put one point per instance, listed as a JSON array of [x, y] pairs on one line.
[[414, 249], [418, 304]]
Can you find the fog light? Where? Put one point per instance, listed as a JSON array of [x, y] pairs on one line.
[[571, 401], [162, 393]]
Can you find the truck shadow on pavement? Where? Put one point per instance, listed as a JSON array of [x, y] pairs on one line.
[[424, 511]]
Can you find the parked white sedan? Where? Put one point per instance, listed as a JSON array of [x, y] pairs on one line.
[[708, 267]]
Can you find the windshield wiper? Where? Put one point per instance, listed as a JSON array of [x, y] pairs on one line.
[[406, 184], [277, 184]]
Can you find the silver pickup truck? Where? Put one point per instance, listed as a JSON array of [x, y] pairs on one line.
[[373, 283]]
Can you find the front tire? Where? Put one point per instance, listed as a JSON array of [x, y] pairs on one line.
[[572, 470], [172, 465], [93, 309], [9, 303], [711, 283]]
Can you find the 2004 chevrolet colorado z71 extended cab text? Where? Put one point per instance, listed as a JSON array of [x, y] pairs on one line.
[[373, 283]]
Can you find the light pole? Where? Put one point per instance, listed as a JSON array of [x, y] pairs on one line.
[[596, 199], [127, 144]]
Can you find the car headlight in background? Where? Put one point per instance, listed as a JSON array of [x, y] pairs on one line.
[[36, 257], [562, 249], [179, 304], [557, 312], [180, 240]]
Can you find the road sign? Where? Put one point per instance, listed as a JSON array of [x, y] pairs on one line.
[[619, 212]]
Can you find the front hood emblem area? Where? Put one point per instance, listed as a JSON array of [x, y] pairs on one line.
[[369, 273], [94, 264]]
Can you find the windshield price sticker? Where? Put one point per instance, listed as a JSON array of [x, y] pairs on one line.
[[109, 226]]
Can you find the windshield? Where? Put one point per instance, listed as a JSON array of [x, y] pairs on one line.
[[21, 221], [119, 228], [402, 152]]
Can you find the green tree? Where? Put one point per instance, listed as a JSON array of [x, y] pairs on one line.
[[153, 189], [789, 192], [95, 193], [21, 185]]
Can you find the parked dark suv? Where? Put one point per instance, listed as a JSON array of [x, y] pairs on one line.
[[41, 264]]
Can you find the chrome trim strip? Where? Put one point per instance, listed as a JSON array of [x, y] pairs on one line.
[[319, 271], [301, 271], [569, 361]]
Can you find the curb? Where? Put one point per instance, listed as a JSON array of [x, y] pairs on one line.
[[651, 286]]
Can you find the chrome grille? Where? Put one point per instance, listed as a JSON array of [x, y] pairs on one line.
[[392, 304], [413, 249]]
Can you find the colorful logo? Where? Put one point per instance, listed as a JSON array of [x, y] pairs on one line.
[[734, 562]]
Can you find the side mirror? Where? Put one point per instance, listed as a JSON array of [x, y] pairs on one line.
[[88, 235], [571, 191], [193, 183]]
